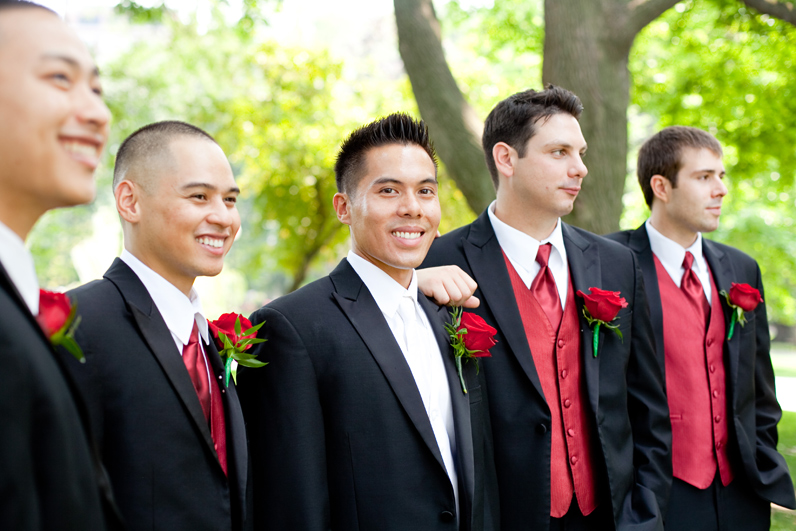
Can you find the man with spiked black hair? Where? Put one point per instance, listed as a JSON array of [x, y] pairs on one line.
[[359, 421]]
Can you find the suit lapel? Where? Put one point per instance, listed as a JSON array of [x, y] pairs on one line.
[[584, 266], [721, 267], [460, 402], [160, 341], [237, 451], [11, 288], [640, 244], [485, 257], [361, 309]]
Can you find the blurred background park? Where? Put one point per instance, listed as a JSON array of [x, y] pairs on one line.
[[280, 83]]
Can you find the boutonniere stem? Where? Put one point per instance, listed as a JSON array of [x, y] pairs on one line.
[[59, 320], [471, 338], [233, 342], [600, 308], [741, 298]]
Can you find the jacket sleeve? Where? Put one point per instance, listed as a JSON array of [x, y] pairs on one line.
[[284, 421]]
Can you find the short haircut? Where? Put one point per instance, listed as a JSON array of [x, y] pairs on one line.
[[514, 119], [23, 4], [397, 128], [150, 141], [662, 154]]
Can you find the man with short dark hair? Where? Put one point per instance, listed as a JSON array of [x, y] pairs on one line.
[[359, 421], [170, 431], [719, 379], [580, 424], [54, 128]]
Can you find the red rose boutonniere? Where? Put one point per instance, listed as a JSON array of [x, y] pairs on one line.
[[741, 298], [233, 342], [471, 338], [600, 309], [58, 318]]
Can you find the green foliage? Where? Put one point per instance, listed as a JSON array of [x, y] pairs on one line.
[[782, 520], [715, 65], [51, 243]]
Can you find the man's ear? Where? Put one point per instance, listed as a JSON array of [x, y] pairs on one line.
[[661, 188], [127, 195], [505, 158], [342, 206]]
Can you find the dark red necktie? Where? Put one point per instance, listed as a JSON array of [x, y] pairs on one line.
[[544, 288], [213, 409], [692, 287], [197, 369]]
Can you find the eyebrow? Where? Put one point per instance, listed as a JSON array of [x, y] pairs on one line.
[[708, 170], [71, 61], [209, 186], [562, 143], [393, 180]]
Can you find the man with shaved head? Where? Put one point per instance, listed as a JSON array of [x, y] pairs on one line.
[[54, 127], [170, 431]]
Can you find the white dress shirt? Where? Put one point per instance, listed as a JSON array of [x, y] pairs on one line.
[[421, 351], [521, 251], [671, 254], [179, 312], [18, 263]]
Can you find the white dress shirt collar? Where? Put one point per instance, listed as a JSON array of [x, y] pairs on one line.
[[18, 263], [385, 290], [521, 250], [671, 255], [179, 311]]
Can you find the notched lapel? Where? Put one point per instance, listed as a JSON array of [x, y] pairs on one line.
[[485, 257], [723, 276], [361, 309], [158, 337], [584, 267], [640, 245]]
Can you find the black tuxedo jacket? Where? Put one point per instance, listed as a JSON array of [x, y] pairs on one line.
[[51, 477], [339, 435], [752, 401], [624, 383], [153, 436]]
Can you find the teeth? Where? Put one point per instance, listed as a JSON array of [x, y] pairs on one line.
[[212, 242], [79, 148], [407, 235]]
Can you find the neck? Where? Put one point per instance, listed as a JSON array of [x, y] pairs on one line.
[[675, 232], [184, 284], [537, 225], [20, 218]]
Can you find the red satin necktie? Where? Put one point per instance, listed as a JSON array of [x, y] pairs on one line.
[[692, 287], [544, 288], [197, 369]]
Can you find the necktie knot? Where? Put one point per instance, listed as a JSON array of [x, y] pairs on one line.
[[688, 261], [194, 339], [543, 254]]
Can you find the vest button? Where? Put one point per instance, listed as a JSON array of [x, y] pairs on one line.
[[564, 374], [446, 516], [567, 402], [573, 460], [717, 418], [710, 341], [712, 368], [571, 432], [715, 393], [560, 343], [541, 429], [718, 445]]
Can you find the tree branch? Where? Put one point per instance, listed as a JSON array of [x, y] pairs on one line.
[[642, 12], [782, 10]]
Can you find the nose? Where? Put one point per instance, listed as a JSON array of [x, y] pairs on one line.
[[222, 214], [721, 189], [410, 206], [91, 110], [578, 168]]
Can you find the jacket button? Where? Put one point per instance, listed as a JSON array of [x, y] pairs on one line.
[[446, 516], [541, 429]]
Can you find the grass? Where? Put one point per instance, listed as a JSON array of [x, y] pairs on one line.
[[783, 519]]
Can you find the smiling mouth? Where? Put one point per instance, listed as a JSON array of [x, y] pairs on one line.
[[407, 235], [212, 242]]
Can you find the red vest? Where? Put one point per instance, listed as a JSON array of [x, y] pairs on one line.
[[695, 385], [557, 358]]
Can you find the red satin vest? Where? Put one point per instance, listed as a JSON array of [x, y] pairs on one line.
[[218, 424], [557, 357], [695, 385]]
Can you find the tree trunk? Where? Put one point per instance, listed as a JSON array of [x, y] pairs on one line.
[[454, 125]]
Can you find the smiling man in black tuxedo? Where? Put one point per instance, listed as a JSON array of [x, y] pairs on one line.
[[582, 437], [359, 420], [54, 127], [171, 433], [721, 395]]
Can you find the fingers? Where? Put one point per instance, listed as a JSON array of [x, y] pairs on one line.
[[448, 285], [472, 302]]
